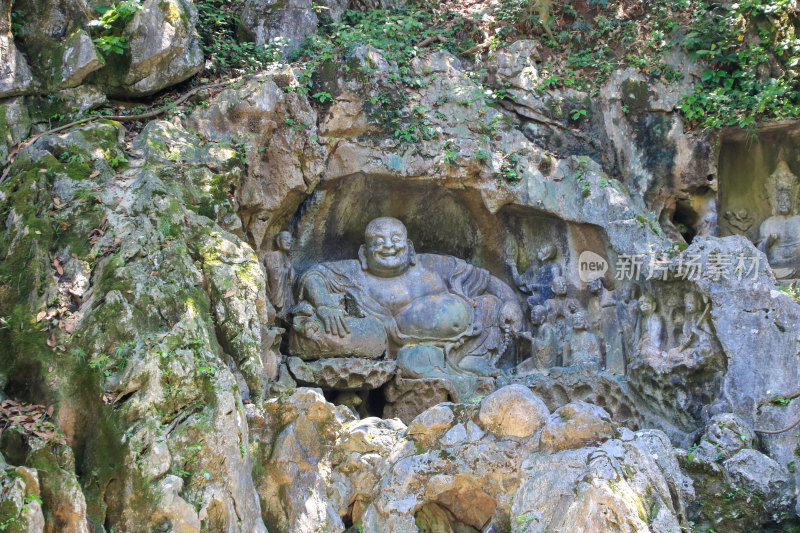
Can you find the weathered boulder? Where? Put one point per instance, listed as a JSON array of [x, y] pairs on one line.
[[738, 488], [62, 495], [406, 398], [173, 509], [283, 23], [278, 129], [56, 42], [362, 455], [15, 124], [726, 434], [513, 411], [83, 97], [15, 75], [164, 50], [432, 423], [79, 60], [756, 473], [293, 440], [622, 485], [20, 501], [576, 425]]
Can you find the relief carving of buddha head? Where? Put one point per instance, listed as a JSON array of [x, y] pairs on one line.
[[387, 251]]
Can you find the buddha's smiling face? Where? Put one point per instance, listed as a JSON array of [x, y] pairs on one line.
[[387, 250]]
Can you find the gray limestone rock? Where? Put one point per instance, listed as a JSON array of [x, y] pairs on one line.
[[432, 423], [283, 23], [20, 501], [83, 97], [576, 425], [344, 374], [755, 472], [14, 114], [79, 60], [15, 75], [406, 398], [726, 434], [513, 411], [164, 50], [594, 489]]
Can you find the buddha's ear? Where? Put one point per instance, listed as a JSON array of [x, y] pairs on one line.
[[362, 257], [412, 254]]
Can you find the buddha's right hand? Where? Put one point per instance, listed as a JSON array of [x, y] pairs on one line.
[[333, 320], [772, 239]]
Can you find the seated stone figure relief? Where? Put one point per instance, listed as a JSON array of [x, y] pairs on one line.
[[437, 315], [779, 235], [538, 279]]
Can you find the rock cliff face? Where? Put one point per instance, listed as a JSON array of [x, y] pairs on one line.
[[147, 379]]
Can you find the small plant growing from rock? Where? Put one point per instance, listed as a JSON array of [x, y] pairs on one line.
[[508, 170]]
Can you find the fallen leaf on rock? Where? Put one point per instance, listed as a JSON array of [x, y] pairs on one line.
[[251, 287], [94, 174], [41, 315], [229, 293]]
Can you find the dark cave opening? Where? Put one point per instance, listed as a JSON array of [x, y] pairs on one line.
[[365, 403], [685, 220]]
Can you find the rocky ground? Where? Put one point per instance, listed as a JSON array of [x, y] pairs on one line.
[[144, 383]]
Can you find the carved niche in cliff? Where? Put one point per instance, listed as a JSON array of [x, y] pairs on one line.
[[435, 315], [759, 196]]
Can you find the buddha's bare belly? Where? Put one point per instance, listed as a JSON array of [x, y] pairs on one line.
[[436, 316]]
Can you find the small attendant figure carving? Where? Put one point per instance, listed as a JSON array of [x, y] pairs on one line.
[[544, 344], [628, 316], [537, 280], [582, 346], [560, 309], [606, 323], [651, 331], [697, 338], [779, 235], [280, 274]]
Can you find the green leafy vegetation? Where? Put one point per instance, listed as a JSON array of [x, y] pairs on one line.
[[109, 26], [508, 170], [224, 53], [753, 53], [584, 42]]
